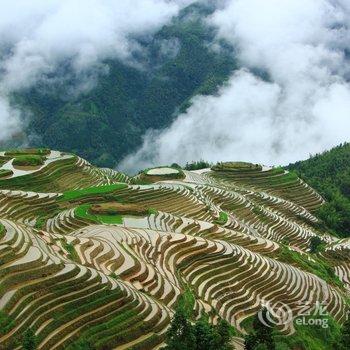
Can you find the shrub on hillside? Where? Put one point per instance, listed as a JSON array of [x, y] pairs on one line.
[[344, 340], [200, 335], [28, 160], [329, 174], [29, 340], [201, 164], [236, 166], [33, 151], [316, 244], [5, 172]]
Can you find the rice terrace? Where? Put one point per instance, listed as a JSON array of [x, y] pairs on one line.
[[90, 255]]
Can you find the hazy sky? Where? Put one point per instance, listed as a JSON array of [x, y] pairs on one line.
[[303, 108]]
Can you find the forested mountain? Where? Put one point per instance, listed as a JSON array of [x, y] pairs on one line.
[[329, 174], [108, 121]]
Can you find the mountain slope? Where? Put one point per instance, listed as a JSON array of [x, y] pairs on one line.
[[329, 173], [91, 256], [108, 121]]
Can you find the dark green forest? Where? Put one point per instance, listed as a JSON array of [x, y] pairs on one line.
[[108, 122], [184, 334], [329, 174]]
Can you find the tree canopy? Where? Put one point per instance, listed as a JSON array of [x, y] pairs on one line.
[[329, 174]]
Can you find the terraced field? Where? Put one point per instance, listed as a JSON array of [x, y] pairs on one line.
[[230, 236]]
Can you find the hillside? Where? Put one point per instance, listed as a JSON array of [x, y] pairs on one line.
[[92, 256], [329, 174], [106, 122]]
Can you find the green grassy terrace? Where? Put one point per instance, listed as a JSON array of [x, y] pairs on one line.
[[28, 160], [90, 191], [222, 220], [83, 212]]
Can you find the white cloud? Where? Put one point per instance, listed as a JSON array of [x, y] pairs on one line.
[[43, 33], [36, 36], [10, 122], [304, 107]]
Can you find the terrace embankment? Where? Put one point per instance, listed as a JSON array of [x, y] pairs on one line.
[[93, 256], [113, 208]]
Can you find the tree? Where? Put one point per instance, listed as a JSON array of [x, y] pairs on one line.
[[344, 341], [180, 335], [328, 173], [175, 165], [196, 165], [225, 334], [261, 336], [201, 335], [315, 244], [29, 340], [205, 335]]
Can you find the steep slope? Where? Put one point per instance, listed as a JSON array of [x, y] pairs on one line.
[[77, 269], [329, 173]]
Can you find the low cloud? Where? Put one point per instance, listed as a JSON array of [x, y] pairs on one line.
[[37, 37], [301, 106], [10, 122]]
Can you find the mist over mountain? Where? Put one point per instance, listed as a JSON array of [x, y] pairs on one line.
[[136, 84], [145, 197], [289, 97]]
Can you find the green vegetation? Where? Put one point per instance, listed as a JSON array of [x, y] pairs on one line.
[[2, 230], [236, 166], [311, 335], [83, 212], [312, 332], [222, 220], [90, 339], [201, 164], [5, 172], [152, 211], [115, 208], [344, 341], [175, 166], [181, 242], [91, 191], [199, 335], [329, 174], [48, 180], [276, 171], [27, 151], [261, 336], [29, 340], [72, 254], [289, 177], [114, 275], [108, 122], [40, 222], [6, 323], [317, 266], [316, 245], [28, 160]]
